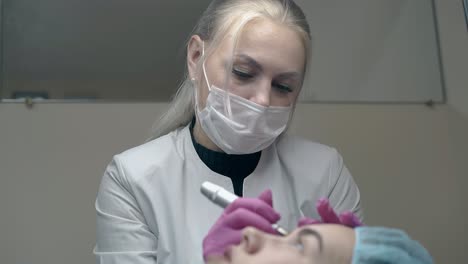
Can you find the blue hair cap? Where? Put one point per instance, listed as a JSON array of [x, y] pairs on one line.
[[387, 245]]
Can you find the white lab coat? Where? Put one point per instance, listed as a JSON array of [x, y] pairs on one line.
[[150, 209]]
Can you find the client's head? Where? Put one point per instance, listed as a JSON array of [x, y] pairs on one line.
[[327, 243]]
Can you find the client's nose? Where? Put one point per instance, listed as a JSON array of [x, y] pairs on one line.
[[252, 240]]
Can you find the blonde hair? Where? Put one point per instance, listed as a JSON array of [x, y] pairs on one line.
[[220, 18]]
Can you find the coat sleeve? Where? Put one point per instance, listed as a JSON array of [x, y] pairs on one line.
[[343, 192], [122, 235]]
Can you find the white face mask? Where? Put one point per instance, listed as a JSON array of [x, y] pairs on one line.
[[243, 127]]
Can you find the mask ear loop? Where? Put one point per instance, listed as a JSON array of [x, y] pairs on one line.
[[203, 66], [227, 100], [206, 78]]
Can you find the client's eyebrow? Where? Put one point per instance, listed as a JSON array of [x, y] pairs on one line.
[[312, 232]]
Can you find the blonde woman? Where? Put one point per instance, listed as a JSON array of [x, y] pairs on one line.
[[246, 61]]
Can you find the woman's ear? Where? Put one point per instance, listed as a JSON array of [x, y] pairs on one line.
[[194, 54]]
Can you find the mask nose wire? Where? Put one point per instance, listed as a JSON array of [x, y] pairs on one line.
[[227, 102]]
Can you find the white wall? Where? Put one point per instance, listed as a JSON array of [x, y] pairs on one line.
[[51, 160], [382, 50], [409, 161]]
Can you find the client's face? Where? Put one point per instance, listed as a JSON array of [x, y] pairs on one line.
[[309, 244]]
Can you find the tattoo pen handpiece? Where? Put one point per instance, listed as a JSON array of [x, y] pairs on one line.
[[223, 198]]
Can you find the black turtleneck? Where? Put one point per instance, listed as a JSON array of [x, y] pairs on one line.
[[236, 167]]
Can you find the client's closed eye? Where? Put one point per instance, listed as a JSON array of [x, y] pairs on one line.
[[307, 233]]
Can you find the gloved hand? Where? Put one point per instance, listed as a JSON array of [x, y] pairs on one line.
[[243, 212], [329, 216]]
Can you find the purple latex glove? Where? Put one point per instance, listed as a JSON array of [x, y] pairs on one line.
[[243, 212], [329, 216]]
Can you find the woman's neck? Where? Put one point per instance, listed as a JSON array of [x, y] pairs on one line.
[[202, 139]]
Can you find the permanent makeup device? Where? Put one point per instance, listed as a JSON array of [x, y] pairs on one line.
[[223, 198]]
